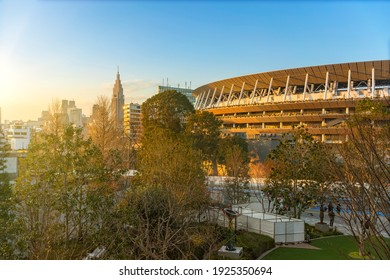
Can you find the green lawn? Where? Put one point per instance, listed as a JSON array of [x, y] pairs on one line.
[[331, 248]]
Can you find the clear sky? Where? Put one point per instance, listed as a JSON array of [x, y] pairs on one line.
[[53, 49]]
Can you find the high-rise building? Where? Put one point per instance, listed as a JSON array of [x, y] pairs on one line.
[[117, 101], [185, 91], [71, 113], [75, 116], [132, 122]]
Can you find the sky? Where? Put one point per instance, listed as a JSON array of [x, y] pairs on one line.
[[66, 49]]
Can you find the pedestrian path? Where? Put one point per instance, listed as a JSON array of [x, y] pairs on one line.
[[291, 245]]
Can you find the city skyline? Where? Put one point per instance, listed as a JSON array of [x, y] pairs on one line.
[[71, 50]]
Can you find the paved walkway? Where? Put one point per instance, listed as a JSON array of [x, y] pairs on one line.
[[295, 245]]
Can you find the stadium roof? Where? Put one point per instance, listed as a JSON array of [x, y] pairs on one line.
[[316, 75]]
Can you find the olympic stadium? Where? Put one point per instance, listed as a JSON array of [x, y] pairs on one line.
[[321, 98]]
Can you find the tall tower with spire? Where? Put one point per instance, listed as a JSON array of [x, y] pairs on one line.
[[117, 101]]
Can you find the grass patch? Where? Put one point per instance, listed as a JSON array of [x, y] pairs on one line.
[[332, 248], [355, 255]]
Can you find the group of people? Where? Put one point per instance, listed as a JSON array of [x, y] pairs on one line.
[[331, 212]]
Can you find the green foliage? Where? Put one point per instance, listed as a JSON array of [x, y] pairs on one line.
[[368, 107], [164, 203], [297, 174], [63, 193], [254, 244], [170, 161], [6, 216], [203, 128], [314, 233], [234, 155], [168, 110], [362, 172]]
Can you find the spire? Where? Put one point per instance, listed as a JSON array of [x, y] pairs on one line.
[[117, 100], [118, 90]]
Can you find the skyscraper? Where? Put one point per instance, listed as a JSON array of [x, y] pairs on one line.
[[132, 122], [117, 101]]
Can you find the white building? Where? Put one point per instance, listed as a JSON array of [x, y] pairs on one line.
[[18, 135], [133, 121]]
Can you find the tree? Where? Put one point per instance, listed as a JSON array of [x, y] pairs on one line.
[[233, 154], [362, 172], [169, 110], [296, 173], [64, 193], [57, 118], [204, 130], [163, 206], [103, 130], [6, 216], [258, 171]]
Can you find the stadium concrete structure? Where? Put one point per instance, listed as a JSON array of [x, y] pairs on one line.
[[318, 97]]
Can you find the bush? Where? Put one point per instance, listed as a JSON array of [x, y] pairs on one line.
[[253, 244], [314, 233]]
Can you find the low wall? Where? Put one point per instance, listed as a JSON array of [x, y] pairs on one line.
[[281, 228]]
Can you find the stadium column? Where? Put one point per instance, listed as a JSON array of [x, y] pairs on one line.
[[269, 88], [286, 88], [230, 94], [212, 98], [326, 85], [201, 100], [373, 82], [207, 97], [220, 96], [306, 86], [242, 90], [334, 90], [254, 92], [348, 90], [198, 99]]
